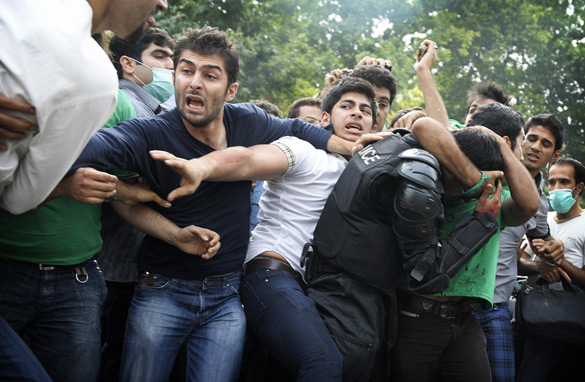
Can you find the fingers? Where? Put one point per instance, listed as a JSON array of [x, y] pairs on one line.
[[12, 104], [160, 201], [564, 275], [162, 155], [181, 191]]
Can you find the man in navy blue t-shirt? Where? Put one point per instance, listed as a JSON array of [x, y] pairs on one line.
[[180, 296]]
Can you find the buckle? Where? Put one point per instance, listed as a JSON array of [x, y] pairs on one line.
[[46, 267], [444, 312]]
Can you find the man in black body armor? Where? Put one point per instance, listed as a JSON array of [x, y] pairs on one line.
[[381, 223]]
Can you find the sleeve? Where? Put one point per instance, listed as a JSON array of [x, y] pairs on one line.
[[120, 147], [271, 128]]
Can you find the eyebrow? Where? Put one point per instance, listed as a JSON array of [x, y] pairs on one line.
[[385, 98], [208, 66], [165, 52]]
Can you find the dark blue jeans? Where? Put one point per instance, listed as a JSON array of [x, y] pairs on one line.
[[287, 322], [17, 362], [206, 313], [58, 311]]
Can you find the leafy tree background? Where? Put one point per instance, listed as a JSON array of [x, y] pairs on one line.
[[535, 49]]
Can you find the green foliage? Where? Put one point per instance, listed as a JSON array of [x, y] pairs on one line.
[[534, 48]]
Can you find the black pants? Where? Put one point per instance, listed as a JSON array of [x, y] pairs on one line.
[[356, 316], [431, 348]]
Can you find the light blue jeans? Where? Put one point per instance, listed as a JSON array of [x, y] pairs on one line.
[[206, 313]]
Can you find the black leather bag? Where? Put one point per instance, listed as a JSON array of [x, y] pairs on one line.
[[551, 315]]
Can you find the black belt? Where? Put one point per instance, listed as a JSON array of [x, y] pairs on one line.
[[443, 309], [264, 262]]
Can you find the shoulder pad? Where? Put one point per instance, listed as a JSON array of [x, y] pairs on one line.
[[422, 168]]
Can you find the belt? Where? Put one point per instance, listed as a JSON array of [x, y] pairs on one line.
[[264, 262], [442, 309]]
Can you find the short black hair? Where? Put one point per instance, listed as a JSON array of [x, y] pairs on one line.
[[401, 113], [119, 47], [578, 169], [551, 123], [267, 106], [350, 85], [488, 89], [482, 149], [377, 76], [501, 119], [295, 108], [208, 41]]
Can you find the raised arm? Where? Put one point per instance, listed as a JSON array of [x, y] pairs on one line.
[[434, 105]]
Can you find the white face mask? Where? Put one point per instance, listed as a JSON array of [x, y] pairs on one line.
[[161, 87]]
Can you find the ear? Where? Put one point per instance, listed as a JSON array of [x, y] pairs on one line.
[[128, 65], [325, 119], [508, 141], [231, 92], [555, 156], [579, 190]]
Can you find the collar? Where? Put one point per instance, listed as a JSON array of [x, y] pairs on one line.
[[141, 94]]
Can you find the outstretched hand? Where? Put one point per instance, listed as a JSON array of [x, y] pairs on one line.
[[188, 169], [198, 241]]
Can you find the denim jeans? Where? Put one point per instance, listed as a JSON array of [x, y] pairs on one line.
[[206, 313], [287, 322], [17, 362], [57, 309]]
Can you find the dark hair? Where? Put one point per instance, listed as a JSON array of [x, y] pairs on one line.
[[488, 89], [350, 85], [208, 41], [377, 76], [119, 47], [481, 148], [551, 123], [401, 113], [578, 169], [267, 106], [499, 118], [295, 108]]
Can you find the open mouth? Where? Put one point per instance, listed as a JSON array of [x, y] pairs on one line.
[[354, 127], [195, 102], [532, 157]]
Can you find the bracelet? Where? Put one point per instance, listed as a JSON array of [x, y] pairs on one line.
[[110, 198], [475, 188]]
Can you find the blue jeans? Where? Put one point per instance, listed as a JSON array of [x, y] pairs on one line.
[[206, 313], [17, 362], [497, 328], [58, 311], [287, 322]]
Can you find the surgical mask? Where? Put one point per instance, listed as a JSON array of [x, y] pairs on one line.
[[161, 87], [562, 200]]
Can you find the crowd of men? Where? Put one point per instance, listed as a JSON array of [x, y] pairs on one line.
[[197, 238]]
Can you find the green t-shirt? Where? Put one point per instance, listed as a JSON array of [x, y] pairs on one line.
[[478, 278], [454, 124], [62, 231]]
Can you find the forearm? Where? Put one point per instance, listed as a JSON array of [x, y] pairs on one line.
[[434, 105], [148, 221], [577, 275], [442, 145], [339, 145], [525, 200]]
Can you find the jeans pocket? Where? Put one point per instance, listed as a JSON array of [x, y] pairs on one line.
[[153, 281]]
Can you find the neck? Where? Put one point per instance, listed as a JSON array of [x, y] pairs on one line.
[[98, 8], [572, 213], [213, 135]]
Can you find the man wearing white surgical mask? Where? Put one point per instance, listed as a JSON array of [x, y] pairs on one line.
[[145, 70]]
